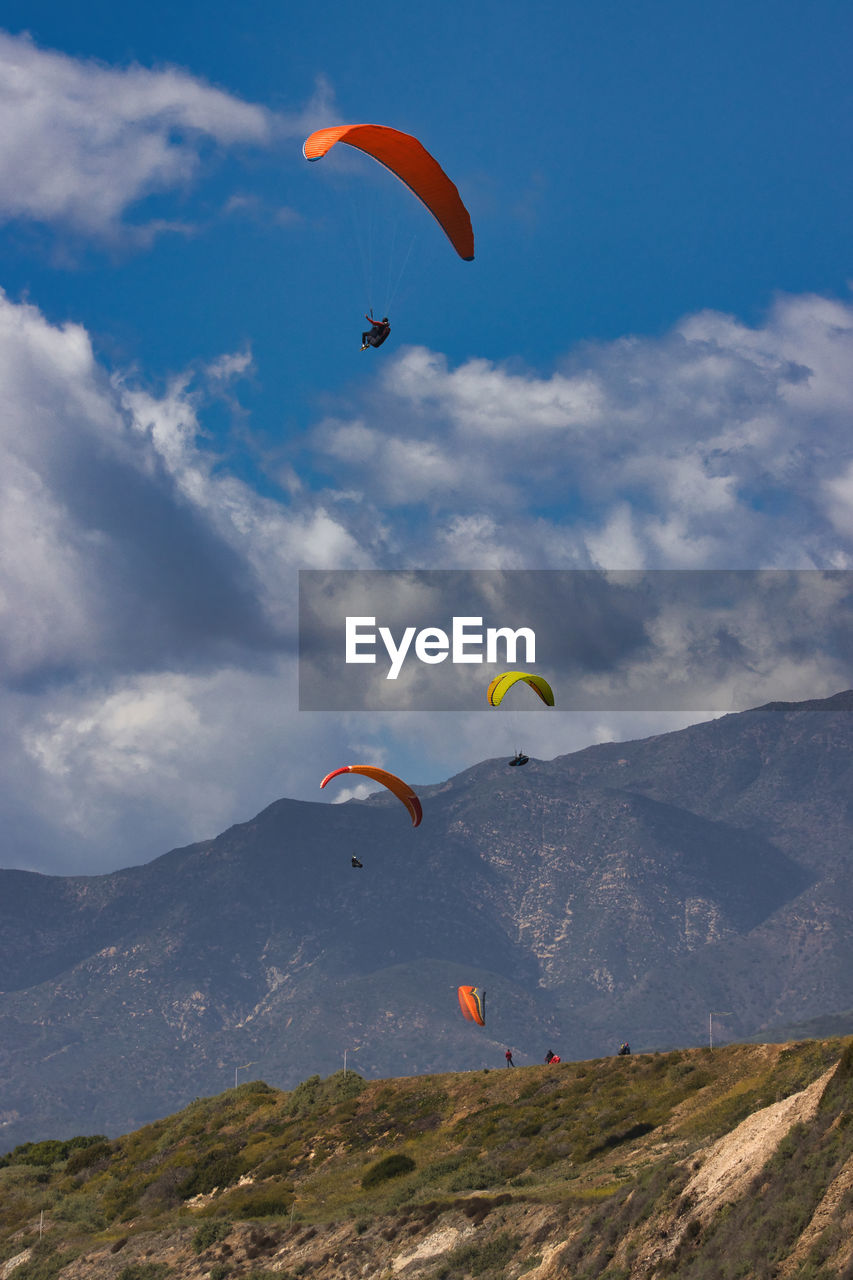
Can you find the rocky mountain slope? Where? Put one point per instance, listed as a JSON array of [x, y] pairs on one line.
[[692, 1164], [624, 891]]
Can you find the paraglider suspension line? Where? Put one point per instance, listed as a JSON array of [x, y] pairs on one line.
[[399, 275]]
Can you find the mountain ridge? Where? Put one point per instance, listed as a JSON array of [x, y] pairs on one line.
[[622, 891], [693, 1163]]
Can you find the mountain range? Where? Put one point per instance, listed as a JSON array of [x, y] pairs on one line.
[[626, 891]]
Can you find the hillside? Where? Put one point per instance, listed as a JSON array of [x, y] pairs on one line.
[[691, 1164], [620, 892]]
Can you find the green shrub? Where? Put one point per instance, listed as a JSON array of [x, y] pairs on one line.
[[255, 1202], [165, 1191], [315, 1094], [119, 1200], [85, 1157], [256, 1090], [83, 1209], [210, 1233], [475, 1259], [144, 1271], [274, 1166], [218, 1167], [476, 1177], [441, 1168], [50, 1150], [389, 1167]]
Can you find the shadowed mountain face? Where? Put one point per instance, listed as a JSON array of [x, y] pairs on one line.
[[624, 891]]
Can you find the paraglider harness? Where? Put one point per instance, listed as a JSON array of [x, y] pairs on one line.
[[376, 336]]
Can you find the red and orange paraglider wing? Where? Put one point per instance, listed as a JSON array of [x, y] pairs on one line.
[[400, 789], [409, 161], [472, 1002]]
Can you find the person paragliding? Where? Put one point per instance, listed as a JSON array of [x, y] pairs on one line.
[[505, 681], [403, 156], [395, 785], [375, 336]]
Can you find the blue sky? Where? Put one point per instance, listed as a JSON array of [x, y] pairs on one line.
[[648, 365]]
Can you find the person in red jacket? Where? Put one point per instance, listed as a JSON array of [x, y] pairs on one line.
[[508, 1056], [376, 336]]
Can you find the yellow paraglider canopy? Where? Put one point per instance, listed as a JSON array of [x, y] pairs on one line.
[[507, 679]]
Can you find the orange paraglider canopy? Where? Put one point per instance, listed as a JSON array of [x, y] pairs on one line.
[[401, 789], [409, 161], [472, 1002]]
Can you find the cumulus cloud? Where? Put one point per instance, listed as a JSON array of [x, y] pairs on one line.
[[625, 640], [147, 608], [148, 595], [716, 445], [103, 753], [80, 142], [123, 546]]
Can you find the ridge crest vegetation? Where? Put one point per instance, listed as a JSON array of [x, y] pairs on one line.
[[586, 1169]]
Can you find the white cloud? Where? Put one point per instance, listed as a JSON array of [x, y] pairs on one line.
[[80, 142], [149, 697], [489, 401], [126, 769], [100, 483], [616, 544], [147, 610], [716, 445], [232, 365], [839, 499]]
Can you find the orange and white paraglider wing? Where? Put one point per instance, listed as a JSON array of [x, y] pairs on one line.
[[396, 785], [409, 161]]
